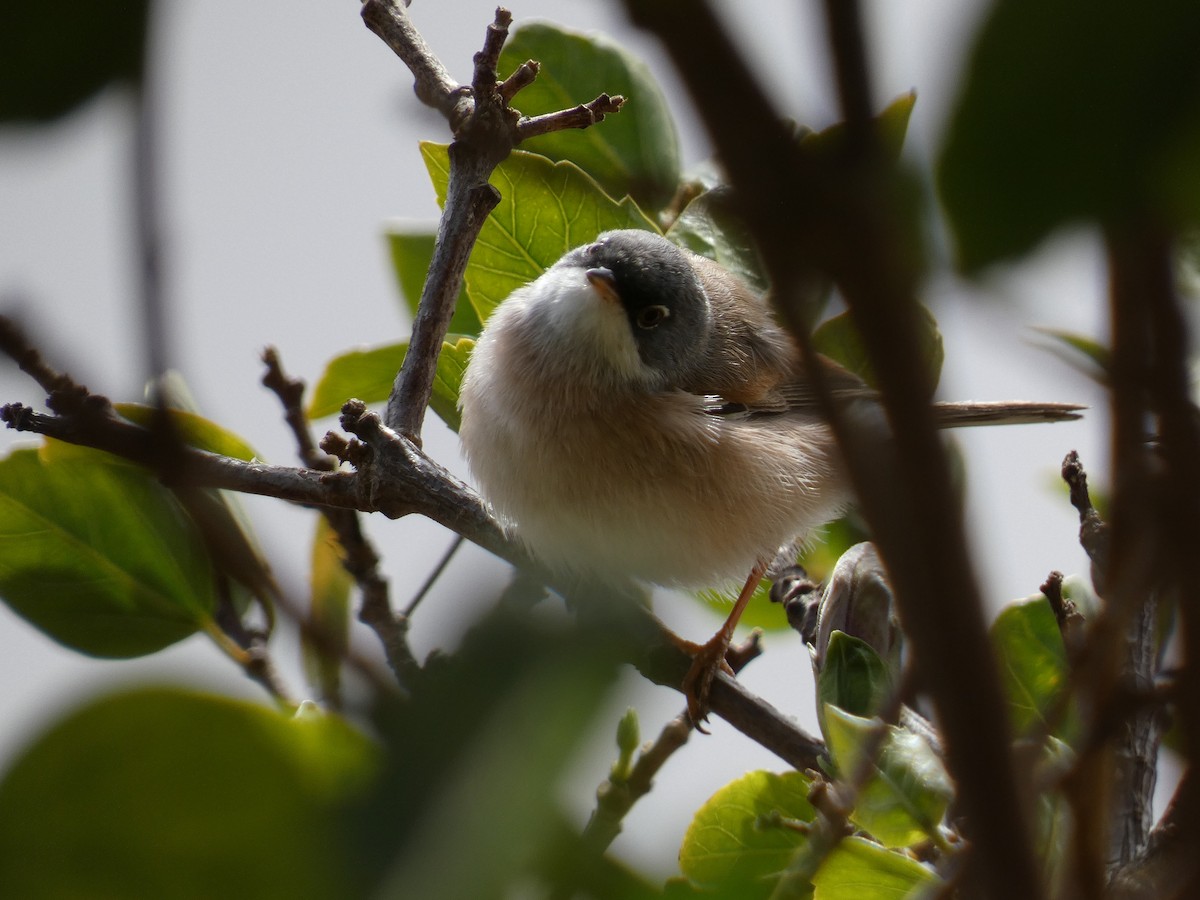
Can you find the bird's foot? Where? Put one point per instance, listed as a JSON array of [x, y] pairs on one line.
[[706, 660]]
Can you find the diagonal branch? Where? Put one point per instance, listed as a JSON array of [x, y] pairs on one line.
[[393, 477], [485, 131]]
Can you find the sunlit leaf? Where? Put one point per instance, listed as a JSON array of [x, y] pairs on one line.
[[369, 374], [194, 430], [546, 209], [907, 795], [858, 869], [99, 555], [166, 793], [328, 611], [634, 152], [733, 838]]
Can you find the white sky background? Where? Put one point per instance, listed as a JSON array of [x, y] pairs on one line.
[[290, 139]]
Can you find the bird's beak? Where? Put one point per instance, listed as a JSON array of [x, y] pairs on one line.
[[604, 283]]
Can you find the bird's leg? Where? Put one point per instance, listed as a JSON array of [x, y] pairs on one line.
[[708, 657]]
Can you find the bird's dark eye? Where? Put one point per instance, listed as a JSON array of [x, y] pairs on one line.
[[652, 316]]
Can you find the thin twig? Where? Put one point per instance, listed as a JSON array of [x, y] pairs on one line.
[[431, 580], [395, 478], [583, 116], [1093, 533], [359, 556]]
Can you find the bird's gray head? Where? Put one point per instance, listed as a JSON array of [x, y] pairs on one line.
[[656, 286]]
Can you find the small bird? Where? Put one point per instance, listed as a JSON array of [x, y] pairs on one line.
[[636, 412]]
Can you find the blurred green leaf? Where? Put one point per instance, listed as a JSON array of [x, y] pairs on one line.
[[222, 521], [760, 612], [476, 757], [51, 62], [732, 840], [838, 338], [369, 375], [1053, 818], [853, 677], [822, 550], [194, 430], [328, 611], [634, 152], [411, 254], [546, 209], [1077, 109], [1096, 358], [909, 791], [709, 227], [167, 793], [99, 555], [1033, 667], [858, 869], [891, 125]]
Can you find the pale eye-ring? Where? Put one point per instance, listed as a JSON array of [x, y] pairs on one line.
[[652, 316]]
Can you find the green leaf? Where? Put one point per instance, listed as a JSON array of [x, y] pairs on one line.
[[546, 209], [478, 754], [1077, 109], [328, 611], [447, 383], [906, 797], [411, 255], [99, 555], [1086, 354], [1033, 667], [194, 430], [822, 551], [1053, 816], [838, 338], [634, 152], [760, 612], [369, 375], [858, 869], [891, 126], [853, 677], [51, 63], [709, 227], [732, 838], [167, 793]]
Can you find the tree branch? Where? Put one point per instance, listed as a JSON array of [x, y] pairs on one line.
[[359, 556], [839, 223], [394, 477], [485, 131]]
